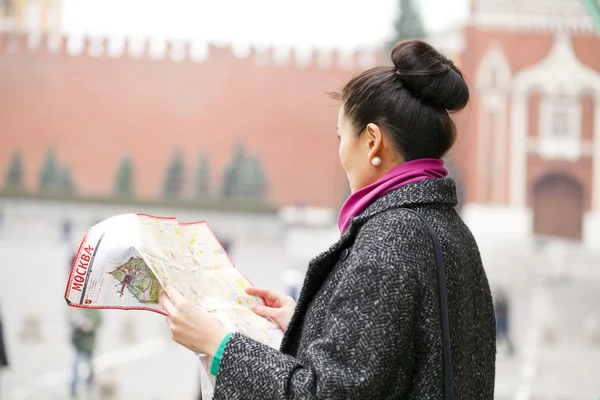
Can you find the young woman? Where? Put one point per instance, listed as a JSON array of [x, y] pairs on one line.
[[367, 324]]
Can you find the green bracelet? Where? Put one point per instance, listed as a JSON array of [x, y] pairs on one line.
[[214, 365]]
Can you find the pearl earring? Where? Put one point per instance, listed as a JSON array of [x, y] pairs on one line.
[[376, 161]]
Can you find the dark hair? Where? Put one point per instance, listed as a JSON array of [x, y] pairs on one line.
[[410, 101]]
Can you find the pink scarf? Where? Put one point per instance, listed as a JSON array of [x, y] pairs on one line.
[[400, 175]]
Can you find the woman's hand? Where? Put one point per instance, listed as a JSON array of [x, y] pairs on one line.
[[279, 308], [192, 328]]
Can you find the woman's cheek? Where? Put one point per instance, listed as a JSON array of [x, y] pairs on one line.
[[342, 155]]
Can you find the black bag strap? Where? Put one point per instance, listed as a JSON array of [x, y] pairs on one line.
[[447, 351]]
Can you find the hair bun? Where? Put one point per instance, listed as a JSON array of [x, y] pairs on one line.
[[430, 76]]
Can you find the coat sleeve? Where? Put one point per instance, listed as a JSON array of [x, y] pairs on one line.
[[367, 347]]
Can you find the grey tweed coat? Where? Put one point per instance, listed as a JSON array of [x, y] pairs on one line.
[[367, 322]]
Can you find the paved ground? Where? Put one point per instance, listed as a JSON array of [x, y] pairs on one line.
[[552, 299], [34, 263], [547, 303]]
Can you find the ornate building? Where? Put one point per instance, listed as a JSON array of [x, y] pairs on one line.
[[532, 133]]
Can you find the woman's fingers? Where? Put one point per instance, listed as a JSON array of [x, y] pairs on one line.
[[257, 291], [265, 311], [166, 303], [270, 295], [174, 295]]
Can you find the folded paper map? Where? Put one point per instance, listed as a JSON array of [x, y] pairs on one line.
[[124, 262]]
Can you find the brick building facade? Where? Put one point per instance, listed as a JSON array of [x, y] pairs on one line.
[[532, 151]]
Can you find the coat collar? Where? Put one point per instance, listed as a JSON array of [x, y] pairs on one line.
[[436, 193]]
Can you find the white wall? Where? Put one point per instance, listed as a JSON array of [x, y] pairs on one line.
[[513, 226], [591, 230]]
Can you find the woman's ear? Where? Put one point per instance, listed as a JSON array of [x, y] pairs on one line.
[[374, 138]]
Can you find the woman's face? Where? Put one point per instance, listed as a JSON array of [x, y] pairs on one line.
[[356, 153]]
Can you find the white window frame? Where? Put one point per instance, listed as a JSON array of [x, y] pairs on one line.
[[550, 146]]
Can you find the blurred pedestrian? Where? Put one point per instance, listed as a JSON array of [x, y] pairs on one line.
[[226, 243], [84, 327], [72, 261], [292, 279], [3, 353], [502, 311], [66, 230]]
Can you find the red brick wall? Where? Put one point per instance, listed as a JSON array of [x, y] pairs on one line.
[[95, 110], [587, 49], [587, 117]]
